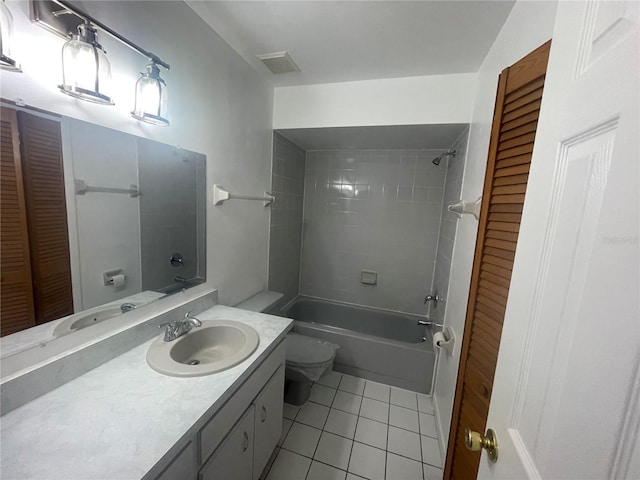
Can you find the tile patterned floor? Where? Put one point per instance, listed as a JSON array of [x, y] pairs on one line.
[[353, 429]]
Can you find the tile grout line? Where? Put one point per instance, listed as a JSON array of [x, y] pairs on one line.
[[420, 440], [356, 429]]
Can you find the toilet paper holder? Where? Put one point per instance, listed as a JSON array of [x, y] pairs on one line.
[[107, 277], [445, 340]]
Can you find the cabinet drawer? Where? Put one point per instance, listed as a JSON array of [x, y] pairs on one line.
[[268, 405], [213, 432], [233, 459]]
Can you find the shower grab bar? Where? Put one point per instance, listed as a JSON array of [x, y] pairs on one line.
[[220, 195], [82, 188]]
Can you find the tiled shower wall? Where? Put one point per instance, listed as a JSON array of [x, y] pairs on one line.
[[448, 224], [376, 210], [287, 185]]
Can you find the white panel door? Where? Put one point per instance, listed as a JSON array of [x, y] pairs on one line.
[[566, 395]]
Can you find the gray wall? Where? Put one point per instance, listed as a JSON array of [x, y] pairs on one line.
[[287, 185], [374, 210], [172, 213], [448, 225]]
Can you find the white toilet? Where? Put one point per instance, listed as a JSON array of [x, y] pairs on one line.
[[307, 360]]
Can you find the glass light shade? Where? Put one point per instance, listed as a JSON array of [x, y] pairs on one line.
[[86, 73], [151, 98], [6, 32]]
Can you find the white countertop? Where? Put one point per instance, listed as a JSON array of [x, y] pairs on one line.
[[116, 421]]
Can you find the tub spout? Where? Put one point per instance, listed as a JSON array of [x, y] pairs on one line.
[[429, 323]]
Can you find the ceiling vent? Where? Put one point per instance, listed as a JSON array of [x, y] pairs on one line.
[[279, 62]]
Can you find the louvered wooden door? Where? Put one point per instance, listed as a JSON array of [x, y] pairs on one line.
[[16, 294], [513, 133], [41, 150]]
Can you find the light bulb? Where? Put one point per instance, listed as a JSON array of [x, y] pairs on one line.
[[86, 71], [6, 33], [151, 98]]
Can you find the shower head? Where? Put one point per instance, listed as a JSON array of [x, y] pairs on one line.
[[451, 153]]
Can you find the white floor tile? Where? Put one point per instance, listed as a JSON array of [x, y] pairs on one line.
[[286, 425], [371, 433], [322, 395], [313, 414], [347, 402], [428, 425], [352, 385], [331, 379], [351, 476], [320, 471], [375, 410], [367, 462], [403, 443], [431, 451], [302, 439], [401, 417], [290, 411], [334, 450], [377, 391], [401, 468], [431, 473], [341, 423], [404, 398], [289, 466], [425, 404]]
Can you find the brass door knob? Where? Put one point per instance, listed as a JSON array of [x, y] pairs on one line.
[[475, 441]]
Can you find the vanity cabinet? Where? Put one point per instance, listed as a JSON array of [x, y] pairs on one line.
[[268, 421], [182, 465], [234, 458], [236, 442], [244, 453]]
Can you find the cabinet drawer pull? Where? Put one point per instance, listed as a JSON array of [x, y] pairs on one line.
[[245, 442], [264, 414]]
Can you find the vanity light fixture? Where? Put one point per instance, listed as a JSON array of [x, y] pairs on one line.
[[151, 97], [85, 68], [6, 32], [86, 72]]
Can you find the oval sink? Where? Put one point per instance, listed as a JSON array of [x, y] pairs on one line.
[[215, 346], [86, 319]]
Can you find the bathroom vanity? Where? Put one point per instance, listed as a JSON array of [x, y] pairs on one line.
[[123, 420]]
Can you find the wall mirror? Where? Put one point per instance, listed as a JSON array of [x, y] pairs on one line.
[[95, 223]]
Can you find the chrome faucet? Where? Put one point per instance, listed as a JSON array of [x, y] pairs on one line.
[[179, 327], [127, 307], [435, 298]]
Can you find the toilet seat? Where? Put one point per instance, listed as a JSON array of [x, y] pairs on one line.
[[303, 351]]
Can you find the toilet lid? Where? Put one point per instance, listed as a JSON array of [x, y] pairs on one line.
[[303, 350]]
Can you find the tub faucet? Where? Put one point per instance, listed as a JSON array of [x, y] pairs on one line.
[[433, 298], [179, 327], [429, 323]]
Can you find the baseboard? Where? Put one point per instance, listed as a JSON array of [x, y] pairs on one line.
[[441, 439]]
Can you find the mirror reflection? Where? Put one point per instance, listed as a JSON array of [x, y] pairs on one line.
[[95, 223]]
